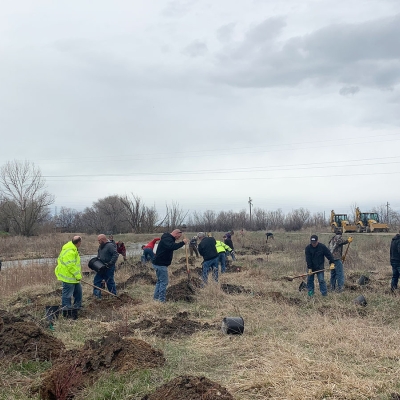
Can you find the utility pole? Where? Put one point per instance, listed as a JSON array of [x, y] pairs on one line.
[[387, 212], [250, 204]]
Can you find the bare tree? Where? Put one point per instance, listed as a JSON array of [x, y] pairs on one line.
[[174, 216], [22, 186], [296, 219]]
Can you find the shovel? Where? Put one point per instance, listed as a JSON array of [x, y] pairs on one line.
[[103, 290], [345, 253], [290, 278]]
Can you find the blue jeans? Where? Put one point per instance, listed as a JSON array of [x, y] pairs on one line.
[[222, 261], [321, 282], [70, 290], [148, 255], [207, 267], [337, 275], [160, 290], [396, 275], [108, 277]]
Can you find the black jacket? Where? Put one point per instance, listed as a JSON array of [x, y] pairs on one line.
[[108, 253], [315, 256], [207, 248], [165, 250], [229, 243], [395, 249]]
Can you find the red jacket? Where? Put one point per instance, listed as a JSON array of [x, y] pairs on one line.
[[151, 244], [121, 248]]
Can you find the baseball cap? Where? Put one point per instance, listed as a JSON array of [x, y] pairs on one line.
[[314, 238]]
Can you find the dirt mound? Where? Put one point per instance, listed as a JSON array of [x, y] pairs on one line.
[[234, 289], [232, 268], [141, 276], [24, 340], [179, 326], [79, 368], [183, 291], [107, 308], [183, 270], [190, 387], [191, 260]]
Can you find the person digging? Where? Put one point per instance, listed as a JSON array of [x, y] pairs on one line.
[[336, 247], [315, 254]]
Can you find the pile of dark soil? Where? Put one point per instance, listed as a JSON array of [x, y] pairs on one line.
[[183, 270], [191, 260], [234, 289], [179, 326], [107, 308], [232, 268], [183, 291], [144, 277], [190, 388], [79, 368], [24, 340]]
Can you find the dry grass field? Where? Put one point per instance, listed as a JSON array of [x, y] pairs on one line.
[[292, 347]]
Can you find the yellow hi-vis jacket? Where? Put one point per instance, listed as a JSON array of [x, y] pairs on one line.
[[69, 264], [222, 247]]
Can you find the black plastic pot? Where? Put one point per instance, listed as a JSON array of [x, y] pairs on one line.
[[96, 264], [360, 300], [52, 312], [233, 325], [363, 280]]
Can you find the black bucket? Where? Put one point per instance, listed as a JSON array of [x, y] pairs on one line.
[[363, 280], [96, 264], [360, 300], [233, 325], [52, 313]]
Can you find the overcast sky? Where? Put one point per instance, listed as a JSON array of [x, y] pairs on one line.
[[205, 103]]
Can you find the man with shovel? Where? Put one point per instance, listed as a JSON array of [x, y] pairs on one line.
[[68, 271], [107, 253], [336, 247], [315, 258], [163, 259]]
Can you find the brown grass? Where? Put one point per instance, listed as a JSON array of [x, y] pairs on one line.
[[324, 348]]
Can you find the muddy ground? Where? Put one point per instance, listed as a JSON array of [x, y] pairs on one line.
[[184, 290], [190, 388], [179, 326], [108, 308], [22, 340], [82, 367]]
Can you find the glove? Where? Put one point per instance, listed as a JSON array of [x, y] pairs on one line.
[[78, 277], [332, 266], [106, 265], [310, 271], [350, 239], [233, 252]]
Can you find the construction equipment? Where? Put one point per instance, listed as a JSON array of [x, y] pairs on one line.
[[369, 222], [341, 222]]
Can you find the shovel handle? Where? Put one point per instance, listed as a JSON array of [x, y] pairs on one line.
[[345, 253], [103, 290]]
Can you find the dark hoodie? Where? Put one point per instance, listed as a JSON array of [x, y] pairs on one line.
[[395, 250]]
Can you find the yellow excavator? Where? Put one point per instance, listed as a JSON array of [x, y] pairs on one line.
[[369, 222], [340, 221]]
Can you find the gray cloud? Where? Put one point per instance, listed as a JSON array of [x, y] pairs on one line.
[[364, 54], [195, 49], [349, 90]]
